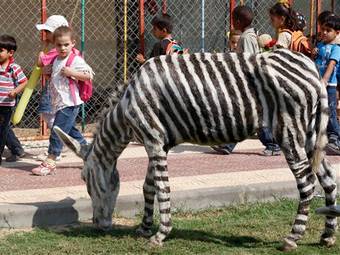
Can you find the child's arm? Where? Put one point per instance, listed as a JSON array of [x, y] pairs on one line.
[[77, 75], [14, 92], [140, 59], [329, 71], [39, 62], [46, 67]]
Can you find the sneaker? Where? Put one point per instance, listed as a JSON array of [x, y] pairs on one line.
[[269, 152], [221, 150], [47, 167], [334, 148], [42, 157]]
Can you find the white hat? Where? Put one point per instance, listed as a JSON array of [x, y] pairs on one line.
[[52, 23]]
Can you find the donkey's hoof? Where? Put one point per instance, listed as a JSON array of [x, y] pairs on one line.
[[155, 242], [143, 232], [328, 242], [288, 245]]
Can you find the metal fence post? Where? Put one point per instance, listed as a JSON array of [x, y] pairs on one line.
[[318, 9], [125, 41], [232, 6], [141, 27], [312, 18], [164, 6], [202, 25], [43, 124], [82, 49]]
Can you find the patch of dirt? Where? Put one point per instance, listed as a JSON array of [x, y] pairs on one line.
[[9, 231]]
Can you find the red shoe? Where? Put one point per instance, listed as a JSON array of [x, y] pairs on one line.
[[47, 167]]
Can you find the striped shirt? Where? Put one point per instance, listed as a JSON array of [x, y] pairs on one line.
[[8, 77]]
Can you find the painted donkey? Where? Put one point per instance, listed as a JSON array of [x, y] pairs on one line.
[[211, 99]]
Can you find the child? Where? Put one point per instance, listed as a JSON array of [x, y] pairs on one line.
[[234, 37], [162, 29], [290, 26], [14, 145], [12, 82], [323, 16], [242, 19], [51, 24], [64, 105], [283, 19], [327, 60]]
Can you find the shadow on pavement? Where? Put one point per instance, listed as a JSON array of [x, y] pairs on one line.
[[54, 213]]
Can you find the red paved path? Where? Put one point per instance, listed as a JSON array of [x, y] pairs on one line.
[[135, 168]]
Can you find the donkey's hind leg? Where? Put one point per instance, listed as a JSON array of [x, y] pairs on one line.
[[327, 179], [300, 166]]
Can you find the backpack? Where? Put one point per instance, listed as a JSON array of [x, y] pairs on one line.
[[299, 42], [175, 47], [14, 78], [85, 87]]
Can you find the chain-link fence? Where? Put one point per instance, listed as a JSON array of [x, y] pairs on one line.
[[198, 25]]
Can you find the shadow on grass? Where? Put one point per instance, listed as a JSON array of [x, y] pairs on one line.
[[122, 231]]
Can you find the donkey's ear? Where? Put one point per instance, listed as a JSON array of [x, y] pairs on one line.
[[73, 144]]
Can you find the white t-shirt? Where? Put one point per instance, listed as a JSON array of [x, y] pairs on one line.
[[284, 40], [60, 89]]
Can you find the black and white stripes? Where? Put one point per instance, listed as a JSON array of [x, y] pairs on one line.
[[210, 99]]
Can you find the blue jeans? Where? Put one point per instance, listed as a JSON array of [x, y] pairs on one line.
[[333, 129], [13, 143], [45, 100], [5, 118], [65, 120], [266, 138]]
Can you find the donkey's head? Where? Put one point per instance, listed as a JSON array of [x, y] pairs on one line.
[[102, 179]]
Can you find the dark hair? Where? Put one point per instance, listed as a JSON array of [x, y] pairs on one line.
[[163, 22], [63, 30], [8, 42], [323, 16], [332, 22], [284, 10], [244, 15]]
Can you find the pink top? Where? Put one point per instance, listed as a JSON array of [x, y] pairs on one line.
[[49, 57]]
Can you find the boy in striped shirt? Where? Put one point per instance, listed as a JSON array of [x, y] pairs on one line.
[[12, 82]]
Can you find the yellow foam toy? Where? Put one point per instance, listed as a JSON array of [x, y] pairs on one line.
[[26, 95]]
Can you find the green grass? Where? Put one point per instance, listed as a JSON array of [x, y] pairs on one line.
[[247, 229]]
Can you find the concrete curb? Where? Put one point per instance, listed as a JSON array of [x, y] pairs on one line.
[[70, 211]]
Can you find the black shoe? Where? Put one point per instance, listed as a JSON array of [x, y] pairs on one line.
[[221, 150], [15, 158]]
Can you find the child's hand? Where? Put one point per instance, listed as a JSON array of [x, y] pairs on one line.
[[67, 71], [315, 52], [12, 93], [140, 58]]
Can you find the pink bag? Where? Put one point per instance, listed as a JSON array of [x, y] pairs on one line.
[[84, 87]]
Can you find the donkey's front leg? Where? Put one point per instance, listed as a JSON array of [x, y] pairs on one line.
[[161, 180]]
